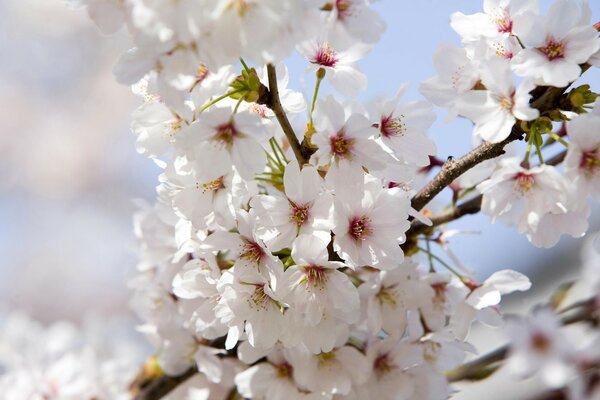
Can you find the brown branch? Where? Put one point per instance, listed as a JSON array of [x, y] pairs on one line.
[[452, 169], [275, 105], [158, 388], [472, 206]]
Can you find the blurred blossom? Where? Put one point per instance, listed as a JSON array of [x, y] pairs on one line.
[[68, 170]]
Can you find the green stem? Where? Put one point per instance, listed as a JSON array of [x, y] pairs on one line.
[[320, 76], [444, 263], [244, 65], [235, 110], [520, 43], [558, 139], [528, 151], [215, 101], [538, 149], [275, 152], [431, 267]]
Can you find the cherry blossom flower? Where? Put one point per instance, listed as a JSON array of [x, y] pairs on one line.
[[339, 64], [233, 137], [343, 139], [456, 74], [303, 209], [354, 20], [496, 20], [319, 295], [523, 196], [495, 110], [403, 128], [332, 372], [480, 304], [248, 304], [369, 229], [556, 44]]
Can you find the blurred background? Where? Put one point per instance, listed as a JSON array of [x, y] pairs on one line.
[[70, 170]]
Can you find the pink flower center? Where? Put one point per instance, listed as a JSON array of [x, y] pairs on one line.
[[259, 109], [213, 185], [299, 214], [201, 73], [315, 276], [553, 49], [504, 24], [502, 51], [524, 182], [252, 252], [589, 163], [341, 146], [359, 228], [284, 370], [325, 56], [259, 299], [391, 126], [382, 365], [540, 342], [225, 133], [388, 295]]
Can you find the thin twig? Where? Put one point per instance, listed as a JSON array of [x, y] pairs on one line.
[[275, 104], [472, 206], [159, 388]]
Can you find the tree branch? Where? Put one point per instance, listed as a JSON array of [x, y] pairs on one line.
[[544, 98], [275, 105], [158, 388], [472, 206]]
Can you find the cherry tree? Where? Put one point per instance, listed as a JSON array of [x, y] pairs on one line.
[[289, 251]]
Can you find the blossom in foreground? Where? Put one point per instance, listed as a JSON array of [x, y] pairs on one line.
[[556, 44], [338, 63], [303, 209], [496, 20], [369, 229], [496, 109], [523, 197], [403, 128], [319, 295]]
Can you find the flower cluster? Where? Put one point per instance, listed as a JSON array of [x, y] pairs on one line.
[[478, 82], [278, 265]]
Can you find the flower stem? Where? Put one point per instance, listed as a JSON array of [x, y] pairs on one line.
[[558, 139], [244, 65], [215, 101], [444, 263], [320, 75]]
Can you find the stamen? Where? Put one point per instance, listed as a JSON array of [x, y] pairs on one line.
[[391, 126], [553, 49], [325, 56], [359, 228]]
